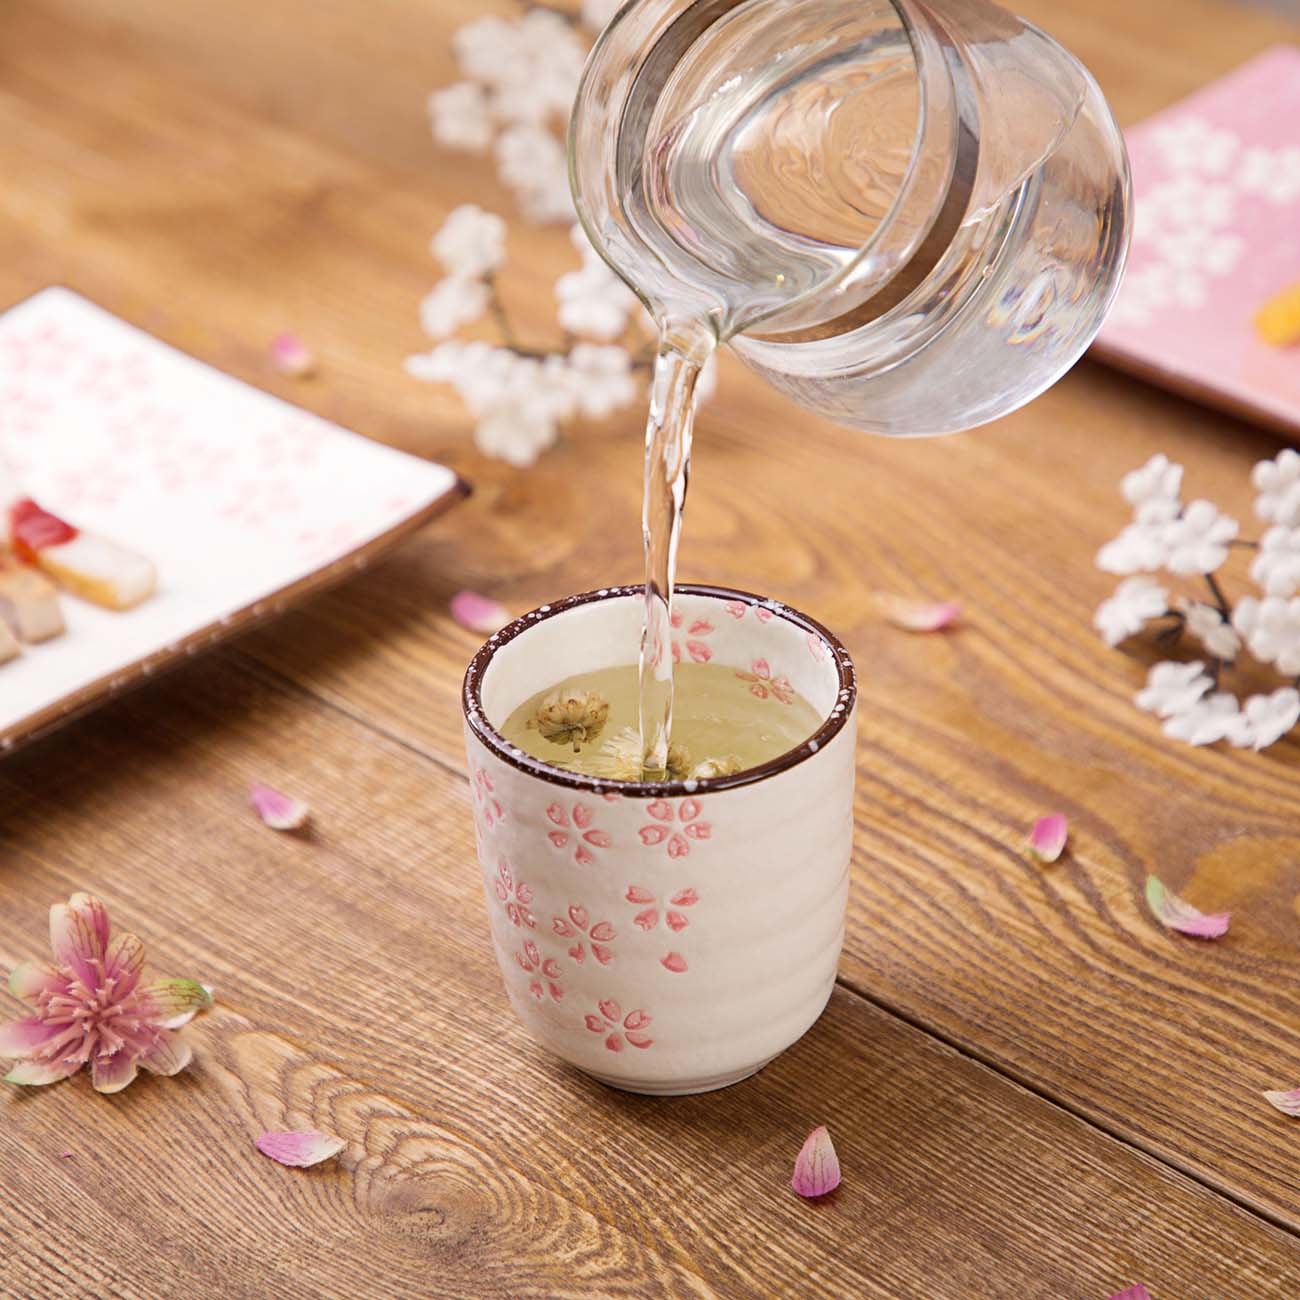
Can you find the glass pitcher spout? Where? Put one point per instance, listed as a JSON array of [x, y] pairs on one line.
[[909, 215]]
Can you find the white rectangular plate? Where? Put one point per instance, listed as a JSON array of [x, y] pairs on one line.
[[242, 501]]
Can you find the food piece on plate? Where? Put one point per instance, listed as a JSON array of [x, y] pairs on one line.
[[1278, 320], [9, 647], [87, 565], [29, 605]]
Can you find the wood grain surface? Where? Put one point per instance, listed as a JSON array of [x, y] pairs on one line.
[[1034, 1090], [357, 992]]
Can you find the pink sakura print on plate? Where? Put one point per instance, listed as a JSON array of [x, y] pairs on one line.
[[485, 800], [540, 969], [662, 830], [693, 646], [764, 684], [513, 895], [580, 826], [599, 935], [618, 1028]]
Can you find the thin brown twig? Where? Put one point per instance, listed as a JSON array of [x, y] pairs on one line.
[[1219, 598]]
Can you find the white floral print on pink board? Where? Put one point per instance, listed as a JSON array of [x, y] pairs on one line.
[[693, 646], [763, 684], [543, 972], [577, 826], [514, 896], [486, 803], [599, 936], [667, 819], [619, 1028]]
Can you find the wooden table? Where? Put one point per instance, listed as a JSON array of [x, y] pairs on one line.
[[1033, 1089]]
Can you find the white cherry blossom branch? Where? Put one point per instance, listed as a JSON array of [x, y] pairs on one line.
[[1194, 540]]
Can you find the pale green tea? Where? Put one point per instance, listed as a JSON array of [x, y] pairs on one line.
[[723, 721]]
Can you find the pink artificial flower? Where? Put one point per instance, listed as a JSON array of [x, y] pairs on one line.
[[91, 1009]]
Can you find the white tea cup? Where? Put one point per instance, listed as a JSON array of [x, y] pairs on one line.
[[666, 938]]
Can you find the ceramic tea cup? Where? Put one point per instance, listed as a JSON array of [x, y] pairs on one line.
[[666, 938]]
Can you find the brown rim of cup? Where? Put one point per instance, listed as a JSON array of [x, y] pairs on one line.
[[507, 753]]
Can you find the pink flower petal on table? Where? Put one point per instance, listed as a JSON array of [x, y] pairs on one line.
[[917, 615], [817, 1167], [479, 614], [26, 1037], [77, 936], [300, 1149], [123, 962], [173, 1003], [1175, 914], [1138, 1292], [279, 811], [1047, 839], [34, 1074], [113, 1073], [169, 1055], [291, 356], [1287, 1102]]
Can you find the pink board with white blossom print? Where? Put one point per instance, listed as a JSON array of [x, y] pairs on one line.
[[242, 501], [1216, 182]]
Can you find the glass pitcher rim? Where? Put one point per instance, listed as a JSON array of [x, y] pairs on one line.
[[927, 60]]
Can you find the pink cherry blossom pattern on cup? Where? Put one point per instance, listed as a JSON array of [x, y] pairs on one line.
[[631, 919]]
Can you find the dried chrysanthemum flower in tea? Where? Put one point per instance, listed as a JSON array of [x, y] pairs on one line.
[[724, 721], [571, 717]]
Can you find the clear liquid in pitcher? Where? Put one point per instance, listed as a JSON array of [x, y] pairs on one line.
[[910, 218]]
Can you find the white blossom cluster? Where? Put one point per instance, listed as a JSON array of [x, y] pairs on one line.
[[520, 76], [1183, 224], [1193, 540], [520, 398], [519, 79]]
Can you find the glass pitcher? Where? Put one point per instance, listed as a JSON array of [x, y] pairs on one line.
[[908, 215]]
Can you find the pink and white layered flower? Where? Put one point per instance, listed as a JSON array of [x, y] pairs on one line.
[[90, 1008]]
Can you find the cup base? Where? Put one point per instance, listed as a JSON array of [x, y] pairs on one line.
[[678, 1088]]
